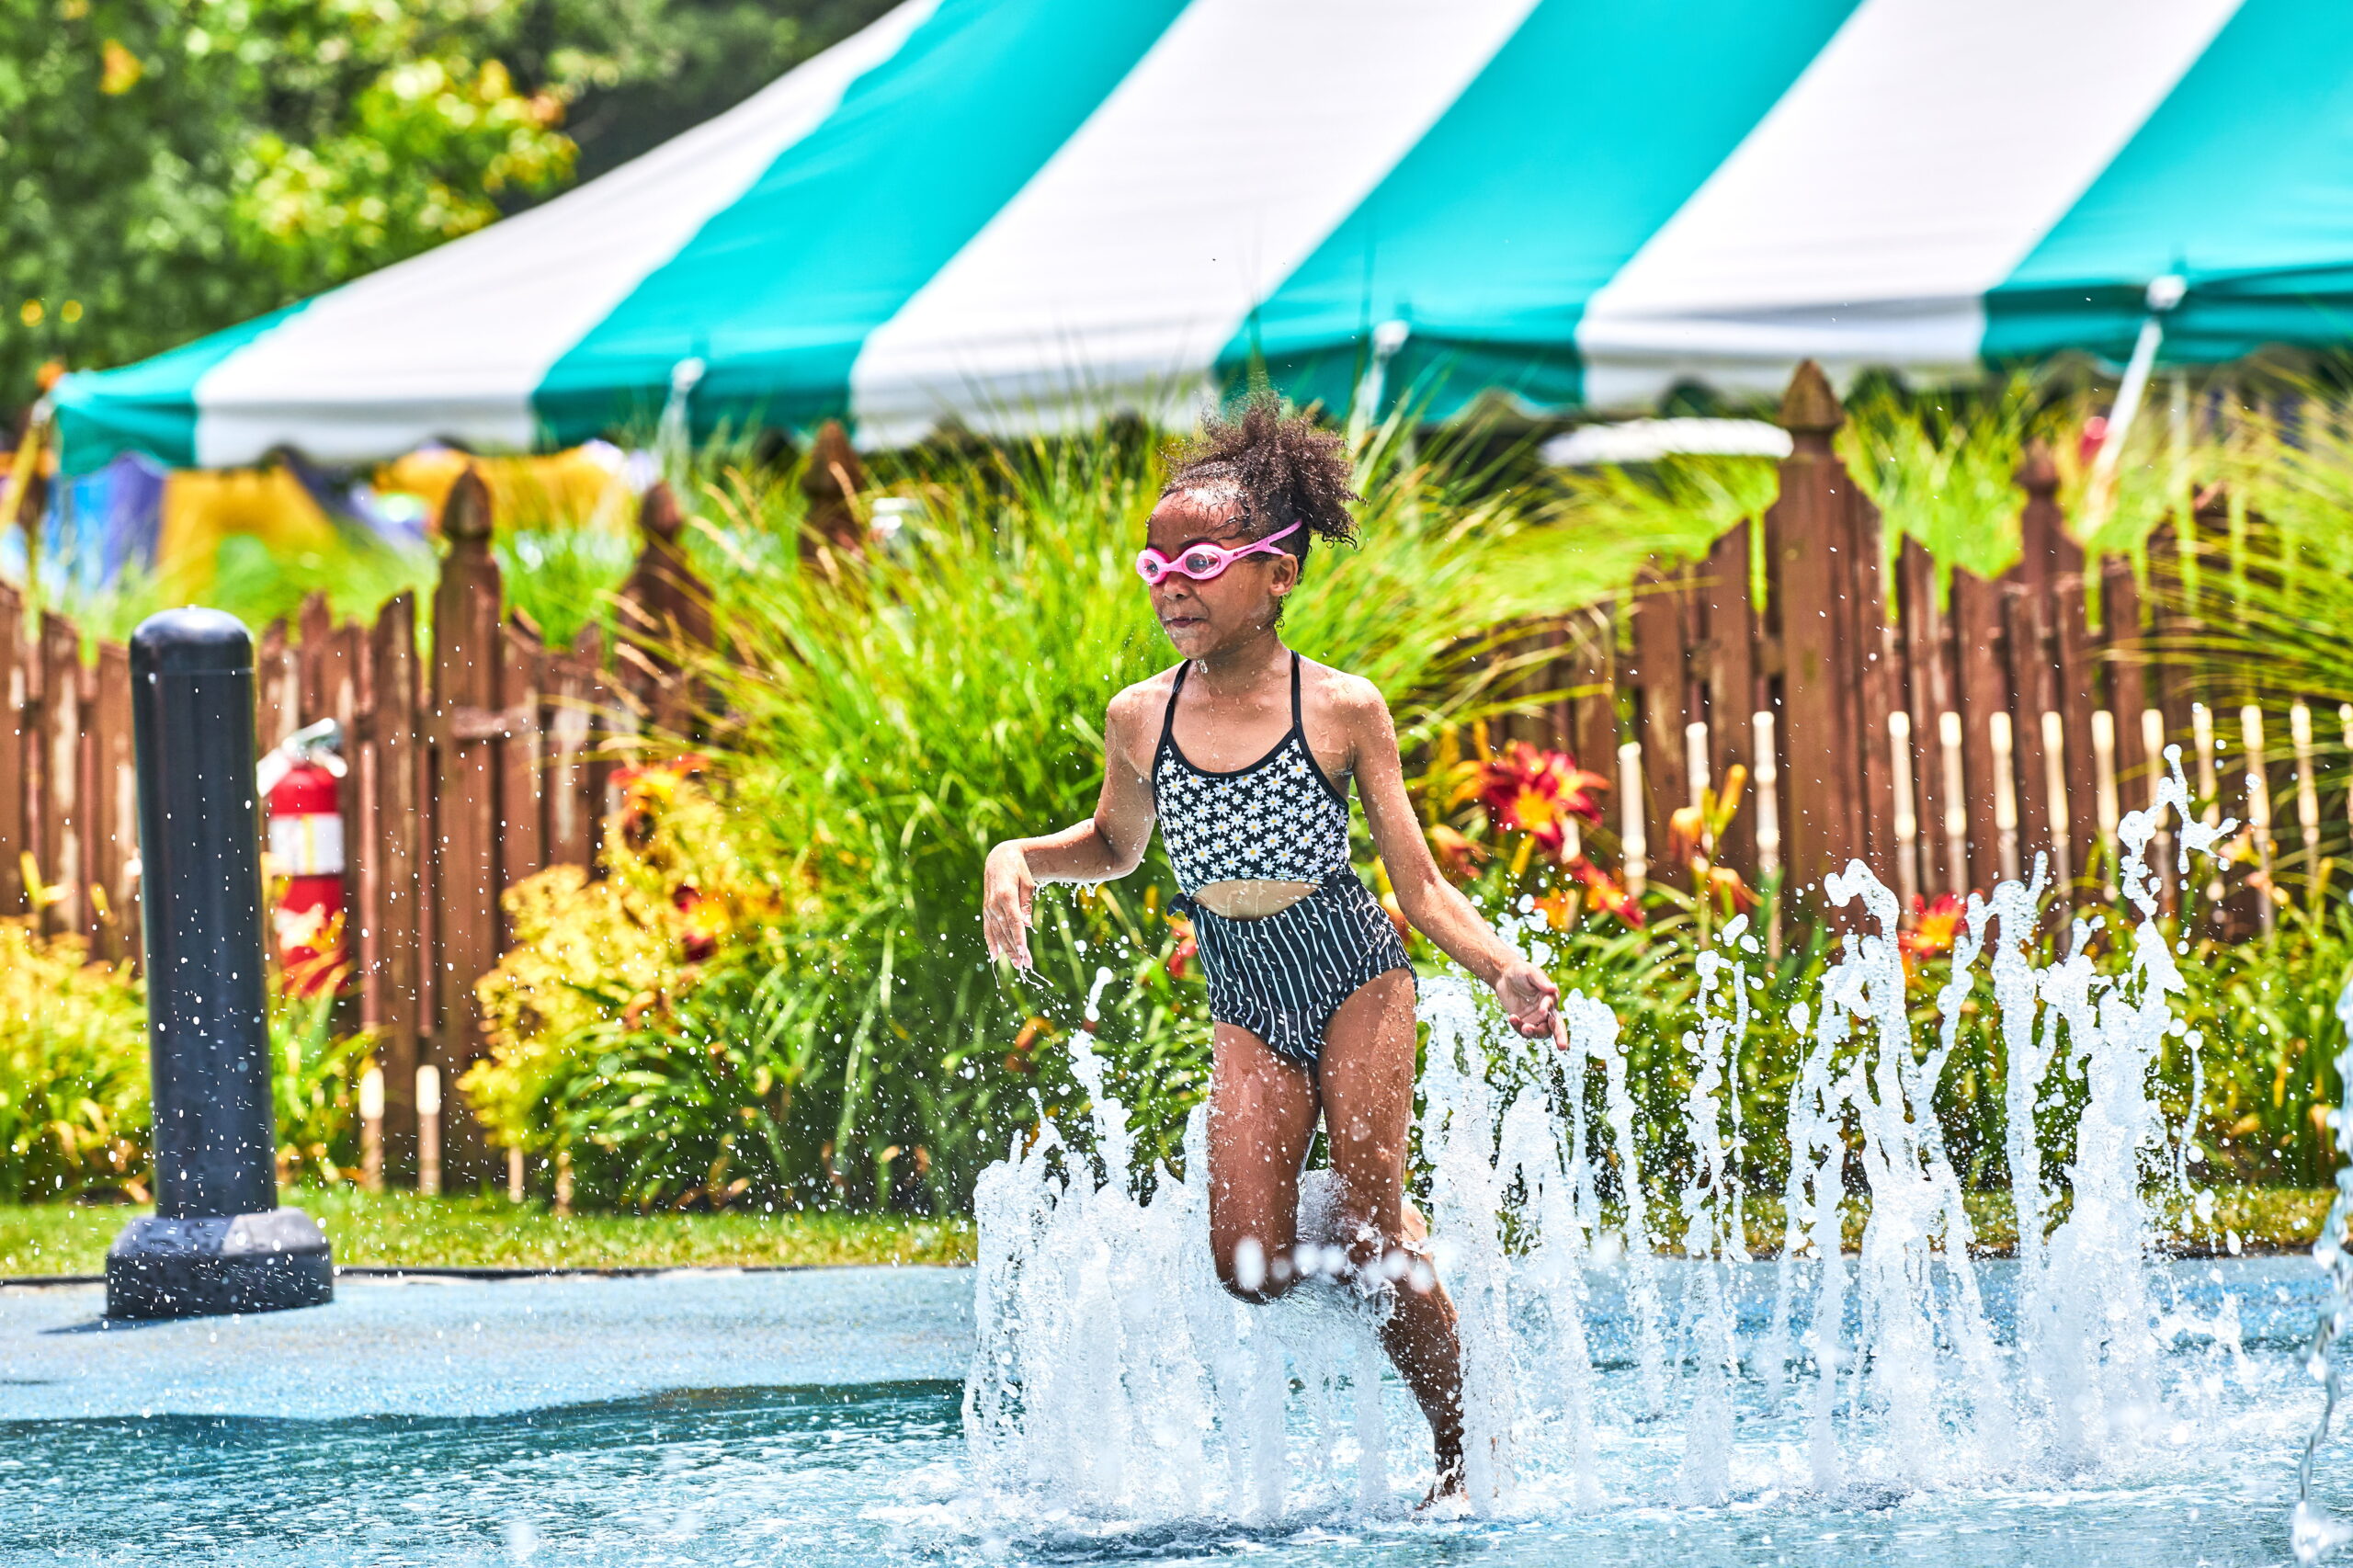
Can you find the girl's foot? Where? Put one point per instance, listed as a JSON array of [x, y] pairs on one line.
[[1447, 1488]]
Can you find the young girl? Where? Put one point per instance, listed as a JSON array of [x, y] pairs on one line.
[[1244, 752]]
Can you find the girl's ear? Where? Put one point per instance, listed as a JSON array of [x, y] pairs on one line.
[[1285, 576]]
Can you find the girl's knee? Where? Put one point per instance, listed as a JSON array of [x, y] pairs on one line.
[[1249, 1274]]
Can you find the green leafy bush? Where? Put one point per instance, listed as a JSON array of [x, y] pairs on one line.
[[314, 1085], [73, 1114], [74, 1108]]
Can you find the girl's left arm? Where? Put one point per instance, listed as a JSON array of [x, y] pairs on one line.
[[1435, 905]]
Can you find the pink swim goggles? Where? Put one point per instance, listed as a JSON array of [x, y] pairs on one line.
[[1203, 561]]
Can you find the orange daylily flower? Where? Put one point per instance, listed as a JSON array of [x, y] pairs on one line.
[[1687, 833], [1725, 883], [1538, 793], [1456, 855], [1935, 926], [1609, 894], [1181, 955]]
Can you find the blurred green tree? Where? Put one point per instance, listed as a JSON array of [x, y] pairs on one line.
[[169, 167]]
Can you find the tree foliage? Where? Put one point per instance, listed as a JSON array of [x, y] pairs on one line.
[[169, 167]]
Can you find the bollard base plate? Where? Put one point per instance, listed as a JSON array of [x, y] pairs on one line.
[[233, 1263]]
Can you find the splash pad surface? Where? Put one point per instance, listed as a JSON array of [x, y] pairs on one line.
[[813, 1418]]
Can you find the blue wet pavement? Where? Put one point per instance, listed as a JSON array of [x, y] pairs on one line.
[[723, 1421], [436, 1346]]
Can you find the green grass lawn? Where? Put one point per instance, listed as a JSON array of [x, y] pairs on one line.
[[2265, 1219], [402, 1229]]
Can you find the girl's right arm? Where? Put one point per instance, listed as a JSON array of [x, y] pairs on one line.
[[1104, 848]]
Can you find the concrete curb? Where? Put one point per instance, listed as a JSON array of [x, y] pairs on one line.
[[459, 1272]]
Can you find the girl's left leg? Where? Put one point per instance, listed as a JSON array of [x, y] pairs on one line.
[[1367, 1078]]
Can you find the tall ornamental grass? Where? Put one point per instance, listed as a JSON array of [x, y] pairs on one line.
[[878, 724]]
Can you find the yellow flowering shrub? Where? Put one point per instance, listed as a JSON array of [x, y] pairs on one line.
[[669, 893], [73, 1108]]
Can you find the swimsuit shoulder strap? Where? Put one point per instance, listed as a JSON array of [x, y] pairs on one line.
[[1168, 719], [1298, 722]]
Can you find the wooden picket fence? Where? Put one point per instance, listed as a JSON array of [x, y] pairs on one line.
[[473, 761], [1945, 739]]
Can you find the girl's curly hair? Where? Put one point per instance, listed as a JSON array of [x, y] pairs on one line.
[[1280, 467]]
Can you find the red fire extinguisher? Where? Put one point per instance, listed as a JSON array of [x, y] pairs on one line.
[[302, 787]]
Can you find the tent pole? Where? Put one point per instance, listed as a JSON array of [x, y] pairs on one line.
[[2164, 294], [24, 491]]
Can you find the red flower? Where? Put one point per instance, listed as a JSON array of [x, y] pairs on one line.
[[1536, 792], [1934, 926], [1725, 883], [699, 935], [1181, 955], [1608, 894], [1457, 856]]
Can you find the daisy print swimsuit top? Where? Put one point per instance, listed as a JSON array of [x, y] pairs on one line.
[[1278, 820]]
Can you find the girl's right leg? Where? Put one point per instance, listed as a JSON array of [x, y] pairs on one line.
[[1262, 1119], [1367, 1089]]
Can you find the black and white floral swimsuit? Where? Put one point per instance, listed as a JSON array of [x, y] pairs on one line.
[[1278, 820]]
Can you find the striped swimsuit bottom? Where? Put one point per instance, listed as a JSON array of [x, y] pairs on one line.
[[1283, 976], [1280, 819]]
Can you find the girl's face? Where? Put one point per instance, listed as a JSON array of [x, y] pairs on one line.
[[1204, 618]]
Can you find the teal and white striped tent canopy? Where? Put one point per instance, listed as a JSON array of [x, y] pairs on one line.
[[1016, 213]]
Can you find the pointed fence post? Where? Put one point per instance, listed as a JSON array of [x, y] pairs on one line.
[[17, 730], [1824, 597], [831, 482], [469, 660], [665, 615], [395, 935]]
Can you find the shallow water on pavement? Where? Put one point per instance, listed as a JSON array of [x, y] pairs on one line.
[[812, 1419]]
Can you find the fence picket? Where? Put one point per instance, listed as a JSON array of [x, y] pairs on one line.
[[1593, 688], [1984, 691], [2123, 652], [467, 720], [114, 816], [1953, 779], [61, 753], [314, 657], [1728, 680], [1804, 531], [1926, 684], [17, 735], [277, 687], [1874, 692], [2258, 785], [571, 797], [391, 897], [2034, 687], [1907, 822], [1662, 663], [522, 823]]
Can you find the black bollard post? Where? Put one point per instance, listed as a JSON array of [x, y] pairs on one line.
[[218, 1242]]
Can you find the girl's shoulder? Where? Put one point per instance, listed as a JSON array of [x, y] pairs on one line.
[[1145, 701], [1336, 692]]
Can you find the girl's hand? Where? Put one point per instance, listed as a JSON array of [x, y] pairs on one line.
[[1531, 1002], [1007, 890]]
